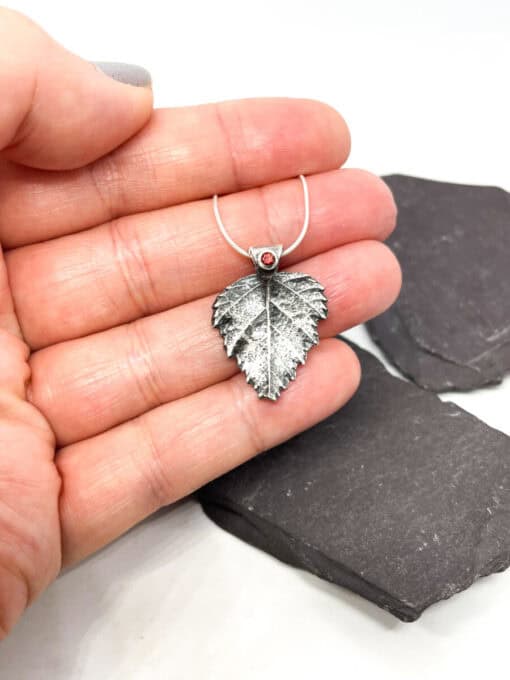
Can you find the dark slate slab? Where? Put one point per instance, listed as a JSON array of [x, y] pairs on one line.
[[398, 497], [450, 327]]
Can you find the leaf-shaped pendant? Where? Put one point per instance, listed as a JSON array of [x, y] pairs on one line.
[[268, 321]]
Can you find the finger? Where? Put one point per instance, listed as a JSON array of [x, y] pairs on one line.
[[89, 385], [58, 111], [114, 480], [182, 155], [86, 282]]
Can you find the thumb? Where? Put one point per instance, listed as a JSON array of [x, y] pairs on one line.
[[58, 111]]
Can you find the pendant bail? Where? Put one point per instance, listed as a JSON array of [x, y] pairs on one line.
[[266, 258]]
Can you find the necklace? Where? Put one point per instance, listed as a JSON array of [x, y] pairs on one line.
[[268, 320]]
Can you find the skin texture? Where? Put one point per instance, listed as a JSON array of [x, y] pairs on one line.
[[116, 396]]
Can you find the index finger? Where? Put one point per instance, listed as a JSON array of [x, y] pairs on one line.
[[183, 154]]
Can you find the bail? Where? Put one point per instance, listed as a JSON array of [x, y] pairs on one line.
[[266, 258]]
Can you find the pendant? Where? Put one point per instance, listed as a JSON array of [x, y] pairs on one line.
[[268, 321]]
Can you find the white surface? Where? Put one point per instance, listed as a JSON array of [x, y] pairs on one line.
[[424, 87]]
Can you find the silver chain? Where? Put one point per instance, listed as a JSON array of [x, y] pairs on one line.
[[288, 250]]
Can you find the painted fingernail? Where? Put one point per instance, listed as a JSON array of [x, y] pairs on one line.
[[130, 74]]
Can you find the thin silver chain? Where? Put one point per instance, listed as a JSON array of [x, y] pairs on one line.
[[288, 250]]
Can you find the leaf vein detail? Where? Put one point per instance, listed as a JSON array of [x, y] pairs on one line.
[[233, 304], [301, 297]]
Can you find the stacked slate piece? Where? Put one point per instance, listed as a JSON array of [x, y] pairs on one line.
[[398, 496], [450, 327]]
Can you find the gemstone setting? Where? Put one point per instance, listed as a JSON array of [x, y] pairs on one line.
[[267, 259]]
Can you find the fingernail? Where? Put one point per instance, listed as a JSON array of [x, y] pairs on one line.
[[130, 74]]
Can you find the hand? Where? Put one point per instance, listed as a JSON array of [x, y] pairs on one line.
[[116, 396]]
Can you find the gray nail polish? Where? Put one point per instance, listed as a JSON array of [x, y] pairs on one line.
[[131, 74]]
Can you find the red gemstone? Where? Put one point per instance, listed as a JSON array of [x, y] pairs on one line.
[[267, 259]]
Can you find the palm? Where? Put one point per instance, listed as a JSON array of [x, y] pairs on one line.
[[116, 396]]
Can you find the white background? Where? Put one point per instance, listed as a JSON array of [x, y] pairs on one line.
[[425, 89]]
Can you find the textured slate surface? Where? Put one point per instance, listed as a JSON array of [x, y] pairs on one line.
[[450, 327], [398, 496]]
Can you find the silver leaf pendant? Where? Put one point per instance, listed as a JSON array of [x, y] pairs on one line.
[[268, 321]]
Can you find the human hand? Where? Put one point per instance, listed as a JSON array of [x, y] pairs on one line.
[[116, 396]]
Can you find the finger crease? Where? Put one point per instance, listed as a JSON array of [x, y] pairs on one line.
[[245, 415], [273, 235], [151, 467], [103, 196], [231, 153], [133, 269], [143, 367], [110, 183]]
